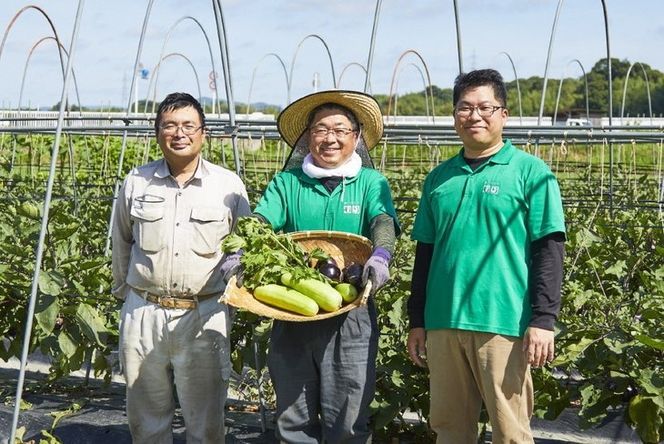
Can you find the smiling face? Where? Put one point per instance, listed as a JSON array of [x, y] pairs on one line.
[[180, 149], [481, 136], [327, 149]]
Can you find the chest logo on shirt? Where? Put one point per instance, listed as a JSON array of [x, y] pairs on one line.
[[491, 188], [352, 208]]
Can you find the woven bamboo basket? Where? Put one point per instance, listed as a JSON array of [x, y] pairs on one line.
[[343, 247]]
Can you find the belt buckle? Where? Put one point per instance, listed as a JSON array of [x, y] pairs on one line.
[[177, 303], [168, 302]]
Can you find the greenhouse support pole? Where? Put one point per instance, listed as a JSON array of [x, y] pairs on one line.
[[118, 177], [44, 226], [372, 44], [226, 68]]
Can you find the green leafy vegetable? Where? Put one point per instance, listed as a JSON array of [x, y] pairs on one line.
[[267, 255]]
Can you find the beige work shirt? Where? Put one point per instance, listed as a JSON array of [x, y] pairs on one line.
[[167, 237]]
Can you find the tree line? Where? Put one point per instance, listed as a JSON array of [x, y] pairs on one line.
[[572, 101]]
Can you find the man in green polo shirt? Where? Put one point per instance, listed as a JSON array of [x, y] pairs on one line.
[[488, 271], [324, 372]]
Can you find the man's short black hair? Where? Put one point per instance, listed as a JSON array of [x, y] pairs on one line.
[[480, 77], [178, 100]]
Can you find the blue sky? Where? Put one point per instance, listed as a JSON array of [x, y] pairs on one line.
[[109, 33]]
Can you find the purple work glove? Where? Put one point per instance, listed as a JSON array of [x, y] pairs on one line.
[[376, 269], [231, 266]]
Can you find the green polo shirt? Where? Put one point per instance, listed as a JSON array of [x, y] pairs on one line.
[[481, 224], [293, 201]]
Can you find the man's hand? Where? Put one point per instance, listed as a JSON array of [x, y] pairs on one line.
[[377, 269], [231, 266], [538, 346], [417, 350]]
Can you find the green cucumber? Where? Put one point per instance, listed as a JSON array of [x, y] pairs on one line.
[[286, 298], [348, 291], [323, 293]]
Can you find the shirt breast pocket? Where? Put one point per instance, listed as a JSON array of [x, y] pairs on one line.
[[209, 226], [149, 222]]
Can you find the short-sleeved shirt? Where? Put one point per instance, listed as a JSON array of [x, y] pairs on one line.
[[293, 201], [481, 224], [167, 237]]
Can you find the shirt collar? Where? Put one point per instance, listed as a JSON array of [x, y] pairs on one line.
[[162, 171], [503, 156]]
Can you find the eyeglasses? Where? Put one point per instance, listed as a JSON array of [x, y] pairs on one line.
[[482, 110], [172, 129], [339, 133]]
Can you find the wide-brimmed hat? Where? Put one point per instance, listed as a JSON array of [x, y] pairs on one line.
[[292, 121]]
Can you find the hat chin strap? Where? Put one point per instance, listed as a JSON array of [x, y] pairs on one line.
[[359, 137]]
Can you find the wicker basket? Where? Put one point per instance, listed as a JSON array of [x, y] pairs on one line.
[[343, 247]]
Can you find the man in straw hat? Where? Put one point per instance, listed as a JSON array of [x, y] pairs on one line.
[[324, 371]]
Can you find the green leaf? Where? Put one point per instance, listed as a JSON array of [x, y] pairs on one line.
[[51, 282], [67, 345], [46, 312], [572, 352], [396, 312], [90, 323], [585, 238], [647, 417], [396, 378], [650, 342], [58, 415], [617, 269], [653, 384]]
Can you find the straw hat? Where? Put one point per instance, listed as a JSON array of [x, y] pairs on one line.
[[292, 121]]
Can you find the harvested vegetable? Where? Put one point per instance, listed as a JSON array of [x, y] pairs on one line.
[[286, 298], [267, 255]]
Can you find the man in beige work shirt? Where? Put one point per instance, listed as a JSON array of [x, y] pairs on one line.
[[171, 217]]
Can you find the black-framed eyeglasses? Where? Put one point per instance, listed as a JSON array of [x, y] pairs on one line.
[[171, 129], [482, 110], [339, 133]]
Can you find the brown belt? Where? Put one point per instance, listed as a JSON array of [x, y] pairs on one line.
[[172, 302]]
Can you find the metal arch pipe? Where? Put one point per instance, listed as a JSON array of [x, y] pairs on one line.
[[394, 75], [609, 77], [44, 227], [518, 88], [62, 66], [253, 77], [123, 148], [372, 45], [424, 83], [548, 60], [163, 50], [17, 15], [25, 70], [193, 68], [20, 100], [225, 63], [457, 24], [645, 74], [297, 50], [359, 65], [560, 88]]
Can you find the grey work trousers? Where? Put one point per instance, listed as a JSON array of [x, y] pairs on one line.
[[160, 348], [324, 376]]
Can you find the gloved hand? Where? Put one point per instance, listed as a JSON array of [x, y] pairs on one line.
[[231, 266], [376, 269]]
